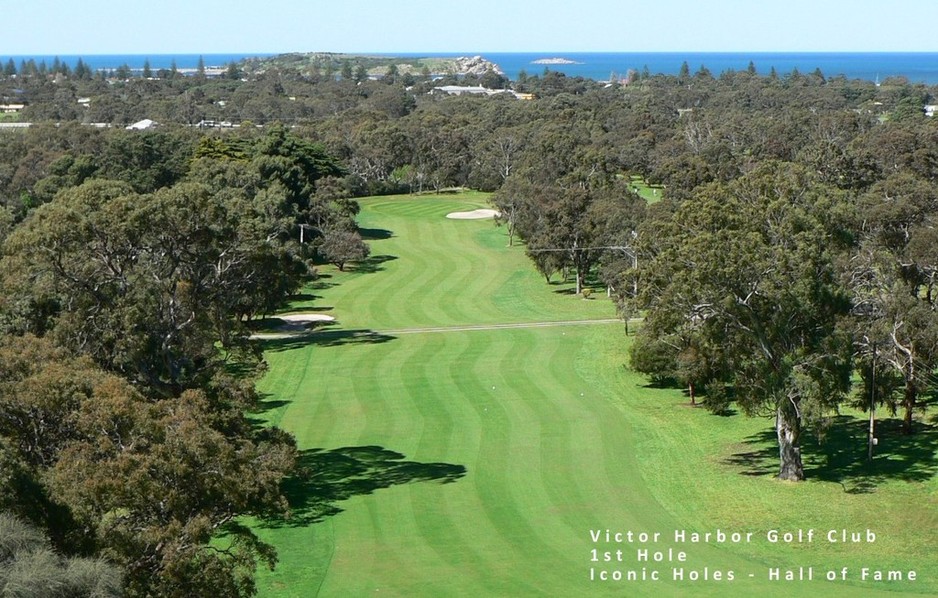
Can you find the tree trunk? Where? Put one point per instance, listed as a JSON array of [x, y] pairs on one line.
[[693, 394], [909, 401], [788, 429]]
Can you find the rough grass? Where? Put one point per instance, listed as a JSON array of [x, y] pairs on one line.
[[475, 463]]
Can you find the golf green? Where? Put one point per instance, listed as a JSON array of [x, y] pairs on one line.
[[471, 430]]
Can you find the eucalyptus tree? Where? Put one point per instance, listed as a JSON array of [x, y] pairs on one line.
[[286, 174], [495, 157], [149, 284], [339, 247], [155, 487], [749, 266], [892, 273]]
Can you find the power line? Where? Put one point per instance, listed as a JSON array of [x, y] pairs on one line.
[[628, 250]]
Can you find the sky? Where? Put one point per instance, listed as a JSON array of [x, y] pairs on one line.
[[66, 27]]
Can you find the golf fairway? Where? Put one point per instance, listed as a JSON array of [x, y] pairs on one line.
[[469, 430]]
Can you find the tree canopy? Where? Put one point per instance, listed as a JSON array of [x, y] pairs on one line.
[[749, 267]]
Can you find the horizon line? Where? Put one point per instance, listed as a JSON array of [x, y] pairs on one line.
[[462, 52]]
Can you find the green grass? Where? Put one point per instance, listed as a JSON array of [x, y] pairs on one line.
[[650, 193], [476, 462]]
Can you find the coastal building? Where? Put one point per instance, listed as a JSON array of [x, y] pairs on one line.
[[458, 90], [142, 125]]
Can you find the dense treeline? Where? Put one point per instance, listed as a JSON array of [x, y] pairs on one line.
[[678, 131], [131, 269], [794, 244]]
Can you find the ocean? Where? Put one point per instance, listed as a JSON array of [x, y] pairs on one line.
[[916, 67]]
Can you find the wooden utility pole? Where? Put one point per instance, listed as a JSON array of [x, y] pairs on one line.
[[872, 439]]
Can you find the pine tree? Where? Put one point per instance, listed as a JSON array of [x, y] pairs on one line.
[[81, 70]]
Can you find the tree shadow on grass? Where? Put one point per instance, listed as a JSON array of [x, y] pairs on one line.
[[242, 369], [725, 412], [265, 405], [372, 264], [327, 477], [897, 456], [258, 415], [276, 323], [759, 456], [375, 234], [320, 284], [701, 398], [304, 297], [594, 291], [840, 454], [326, 338], [268, 323]]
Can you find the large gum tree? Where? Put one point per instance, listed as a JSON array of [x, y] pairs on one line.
[[747, 267]]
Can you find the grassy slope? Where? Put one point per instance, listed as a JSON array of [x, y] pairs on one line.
[[475, 463]]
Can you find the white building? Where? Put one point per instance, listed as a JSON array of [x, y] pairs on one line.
[[142, 125]]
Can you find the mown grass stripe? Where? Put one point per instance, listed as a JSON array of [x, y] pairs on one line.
[[544, 465]]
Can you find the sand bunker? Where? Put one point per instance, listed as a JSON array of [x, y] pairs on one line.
[[305, 318], [301, 321], [296, 324], [473, 215]]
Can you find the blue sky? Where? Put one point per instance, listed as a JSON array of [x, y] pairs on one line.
[[271, 26]]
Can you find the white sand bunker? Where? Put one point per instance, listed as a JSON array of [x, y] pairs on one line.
[[302, 321], [473, 215]]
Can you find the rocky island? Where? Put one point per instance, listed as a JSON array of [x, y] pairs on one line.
[[555, 61], [475, 65]]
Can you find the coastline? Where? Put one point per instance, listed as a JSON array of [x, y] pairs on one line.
[[917, 67]]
